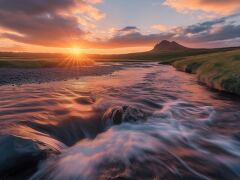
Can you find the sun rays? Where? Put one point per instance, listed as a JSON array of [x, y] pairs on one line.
[[75, 57], [75, 51]]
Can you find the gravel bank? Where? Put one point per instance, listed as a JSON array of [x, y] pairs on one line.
[[13, 76]]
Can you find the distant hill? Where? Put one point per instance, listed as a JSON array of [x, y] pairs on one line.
[[167, 46], [164, 51]]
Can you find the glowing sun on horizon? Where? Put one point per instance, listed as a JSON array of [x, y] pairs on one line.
[[76, 57], [75, 52]]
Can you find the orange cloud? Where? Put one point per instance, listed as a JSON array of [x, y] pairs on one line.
[[91, 11], [219, 7], [13, 47], [162, 28], [54, 23], [85, 7], [67, 23]]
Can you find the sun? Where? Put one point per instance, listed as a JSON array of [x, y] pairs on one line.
[[75, 51], [75, 57]]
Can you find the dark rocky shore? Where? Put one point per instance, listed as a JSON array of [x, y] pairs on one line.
[[15, 76]]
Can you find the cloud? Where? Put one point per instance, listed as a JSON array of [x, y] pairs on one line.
[[17, 48], [50, 23], [162, 27], [32, 7], [66, 23], [53, 30], [219, 7], [125, 31], [215, 30], [223, 29], [133, 39], [217, 33], [129, 28]]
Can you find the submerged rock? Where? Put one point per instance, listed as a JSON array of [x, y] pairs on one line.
[[121, 114], [20, 156]]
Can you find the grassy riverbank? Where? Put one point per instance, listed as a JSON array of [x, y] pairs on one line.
[[41, 60], [217, 68], [220, 71]]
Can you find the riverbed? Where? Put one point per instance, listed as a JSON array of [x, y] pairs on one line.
[[138, 121]]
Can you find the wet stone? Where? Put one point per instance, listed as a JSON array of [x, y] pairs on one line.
[[123, 114]]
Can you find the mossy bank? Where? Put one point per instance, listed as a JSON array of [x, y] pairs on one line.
[[220, 70]]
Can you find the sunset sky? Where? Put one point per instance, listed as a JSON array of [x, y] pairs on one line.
[[116, 26]]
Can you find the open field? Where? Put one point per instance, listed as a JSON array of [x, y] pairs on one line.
[[49, 60], [40, 60], [164, 57]]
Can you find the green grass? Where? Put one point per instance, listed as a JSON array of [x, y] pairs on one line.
[[39, 60], [28, 60], [27, 64], [163, 57], [218, 70]]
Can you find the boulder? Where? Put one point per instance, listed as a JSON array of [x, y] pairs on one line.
[[123, 114]]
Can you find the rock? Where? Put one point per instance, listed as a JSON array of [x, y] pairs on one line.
[[20, 154], [17, 154], [118, 115]]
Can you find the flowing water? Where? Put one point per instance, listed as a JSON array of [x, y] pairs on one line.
[[146, 121]]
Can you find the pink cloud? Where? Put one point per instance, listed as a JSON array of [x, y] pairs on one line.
[[219, 7]]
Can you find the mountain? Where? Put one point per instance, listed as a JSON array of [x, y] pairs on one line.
[[167, 46], [165, 51]]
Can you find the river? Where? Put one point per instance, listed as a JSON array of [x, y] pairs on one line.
[[144, 121]]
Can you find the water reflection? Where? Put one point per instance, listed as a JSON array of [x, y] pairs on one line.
[[95, 128]]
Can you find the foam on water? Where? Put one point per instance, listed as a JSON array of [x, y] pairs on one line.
[[160, 124], [162, 147]]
